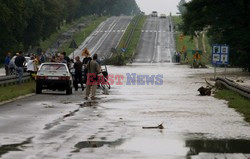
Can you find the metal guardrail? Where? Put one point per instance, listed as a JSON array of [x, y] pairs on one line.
[[234, 86], [13, 79]]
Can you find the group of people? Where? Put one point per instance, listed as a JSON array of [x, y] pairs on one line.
[[85, 68], [90, 73], [17, 65], [32, 65]]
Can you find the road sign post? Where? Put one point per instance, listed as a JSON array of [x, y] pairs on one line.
[[220, 56], [196, 58], [73, 45]]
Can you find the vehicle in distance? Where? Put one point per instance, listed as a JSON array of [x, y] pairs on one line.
[[154, 14], [163, 16], [54, 76]]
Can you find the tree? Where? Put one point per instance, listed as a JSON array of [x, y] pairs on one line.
[[181, 6], [227, 22], [24, 23]]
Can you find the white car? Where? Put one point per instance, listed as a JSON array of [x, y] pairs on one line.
[[154, 14], [54, 76], [163, 16]]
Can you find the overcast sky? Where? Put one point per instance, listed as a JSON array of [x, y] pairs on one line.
[[162, 6]]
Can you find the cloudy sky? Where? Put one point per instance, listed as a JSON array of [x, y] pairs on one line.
[[162, 6]]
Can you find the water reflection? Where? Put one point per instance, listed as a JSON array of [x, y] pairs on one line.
[[218, 146], [97, 144]]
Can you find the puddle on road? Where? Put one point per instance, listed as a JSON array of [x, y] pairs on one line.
[[97, 144], [218, 146], [58, 121], [181, 147], [4, 149], [89, 104]]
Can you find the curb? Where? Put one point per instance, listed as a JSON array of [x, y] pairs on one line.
[[17, 98]]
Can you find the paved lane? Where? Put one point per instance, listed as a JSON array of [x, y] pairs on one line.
[[157, 42], [146, 48], [56, 126], [113, 38], [106, 36]]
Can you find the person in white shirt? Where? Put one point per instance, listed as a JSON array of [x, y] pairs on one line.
[[31, 66]]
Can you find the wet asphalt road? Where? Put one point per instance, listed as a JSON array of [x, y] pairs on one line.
[[105, 37], [157, 41], [55, 126]]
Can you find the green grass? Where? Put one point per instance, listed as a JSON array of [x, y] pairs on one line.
[[80, 36], [190, 43], [14, 91], [236, 101], [49, 41], [132, 46], [187, 40]]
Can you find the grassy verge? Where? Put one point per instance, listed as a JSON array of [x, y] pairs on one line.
[[190, 44], [236, 101], [48, 42], [124, 58], [80, 36], [14, 91]]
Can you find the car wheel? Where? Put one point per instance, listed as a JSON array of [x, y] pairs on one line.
[[38, 89], [69, 91]]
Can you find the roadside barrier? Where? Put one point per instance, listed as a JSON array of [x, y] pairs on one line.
[[13, 79], [234, 86]]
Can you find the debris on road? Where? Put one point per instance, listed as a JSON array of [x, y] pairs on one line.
[[155, 127], [205, 91], [71, 113]]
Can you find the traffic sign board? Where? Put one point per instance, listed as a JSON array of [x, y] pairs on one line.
[[197, 54], [123, 49], [220, 54], [73, 45]]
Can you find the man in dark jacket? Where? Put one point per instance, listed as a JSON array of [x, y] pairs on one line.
[[78, 73], [19, 62], [66, 58]]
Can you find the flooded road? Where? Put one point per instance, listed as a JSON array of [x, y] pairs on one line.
[[53, 125]]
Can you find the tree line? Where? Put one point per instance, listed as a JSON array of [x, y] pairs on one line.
[[24, 23], [226, 22]]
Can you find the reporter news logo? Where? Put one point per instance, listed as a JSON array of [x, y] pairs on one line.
[[130, 79]]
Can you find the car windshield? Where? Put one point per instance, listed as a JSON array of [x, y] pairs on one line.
[[54, 67]]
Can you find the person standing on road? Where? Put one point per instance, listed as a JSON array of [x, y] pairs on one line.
[[78, 73], [42, 58], [31, 66], [85, 61], [87, 57], [92, 77], [67, 59], [19, 62], [6, 64], [62, 59]]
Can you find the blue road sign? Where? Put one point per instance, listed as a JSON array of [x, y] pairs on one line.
[[123, 50], [220, 55]]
